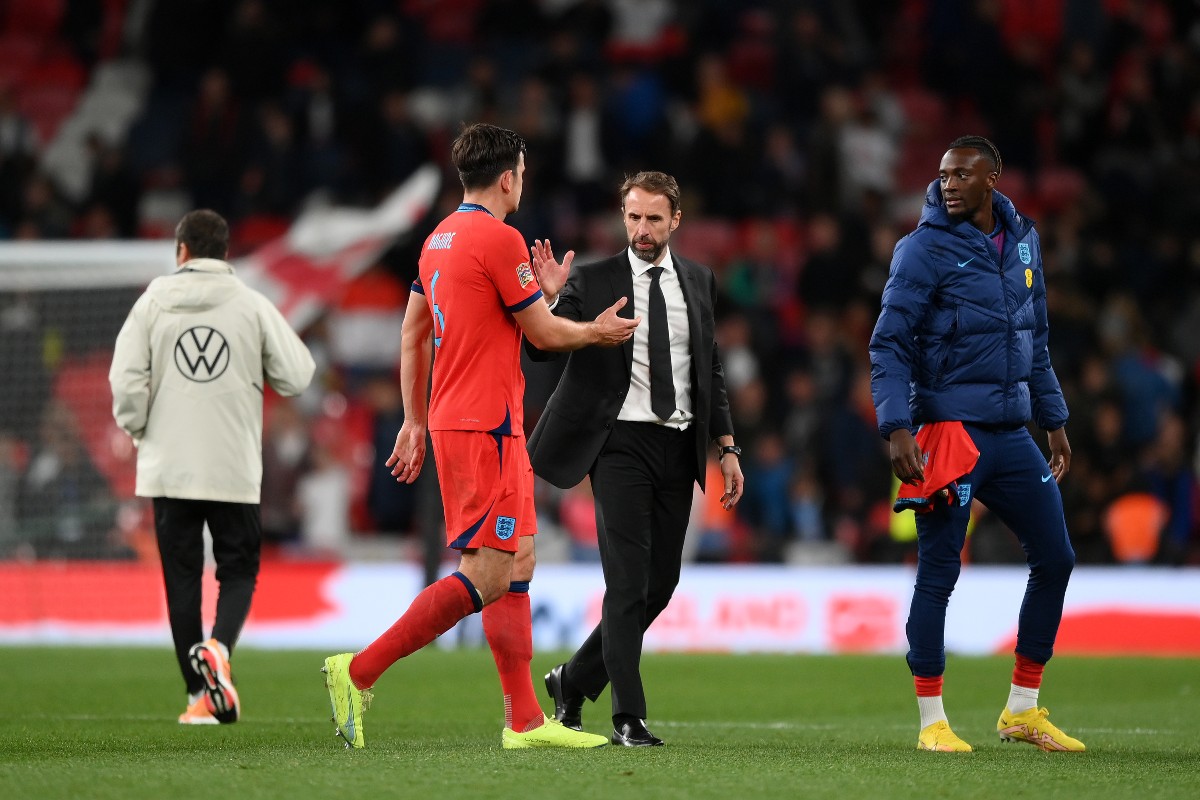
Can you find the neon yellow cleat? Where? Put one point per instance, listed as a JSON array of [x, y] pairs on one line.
[[551, 733], [1032, 726], [940, 739], [347, 701]]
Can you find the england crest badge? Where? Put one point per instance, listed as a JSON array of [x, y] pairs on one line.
[[1024, 253]]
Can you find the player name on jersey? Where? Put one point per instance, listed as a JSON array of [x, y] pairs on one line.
[[441, 241]]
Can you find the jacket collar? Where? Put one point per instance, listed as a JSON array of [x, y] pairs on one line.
[[934, 214], [213, 265]]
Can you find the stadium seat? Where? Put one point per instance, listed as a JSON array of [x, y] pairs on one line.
[[918, 164], [47, 108], [924, 110], [81, 384], [1059, 188], [712, 241], [38, 17], [1015, 185], [18, 53], [112, 30], [55, 70]]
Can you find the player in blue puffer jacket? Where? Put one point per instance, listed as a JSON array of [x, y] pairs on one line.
[[962, 337]]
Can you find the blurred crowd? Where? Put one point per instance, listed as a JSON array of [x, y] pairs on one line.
[[803, 134]]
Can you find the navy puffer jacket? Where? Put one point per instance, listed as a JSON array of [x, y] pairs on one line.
[[962, 334]]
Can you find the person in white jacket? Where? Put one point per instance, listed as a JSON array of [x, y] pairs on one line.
[[187, 382]]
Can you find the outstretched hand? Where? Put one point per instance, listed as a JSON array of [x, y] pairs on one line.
[[408, 456], [551, 275], [612, 330]]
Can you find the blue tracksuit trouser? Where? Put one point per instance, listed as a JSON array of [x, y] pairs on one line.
[[1012, 479]]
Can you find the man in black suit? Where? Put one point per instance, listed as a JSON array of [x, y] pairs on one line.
[[638, 419]]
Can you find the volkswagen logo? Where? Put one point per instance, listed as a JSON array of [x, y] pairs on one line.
[[201, 354]]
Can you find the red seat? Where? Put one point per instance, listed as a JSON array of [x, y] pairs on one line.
[[47, 108], [41, 17], [1059, 187], [112, 29], [1014, 184], [55, 71], [924, 111], [18, 53], [712, 241]]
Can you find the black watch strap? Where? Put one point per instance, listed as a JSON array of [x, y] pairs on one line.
[[728, 449]]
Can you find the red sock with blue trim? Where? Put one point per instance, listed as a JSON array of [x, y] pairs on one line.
[[509, 631], [434, 611]]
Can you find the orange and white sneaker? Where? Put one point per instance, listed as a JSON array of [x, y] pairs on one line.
[[198, 714], [220, 696], [1032, 726], [940, 739]]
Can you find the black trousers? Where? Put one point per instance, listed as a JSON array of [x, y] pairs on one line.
[[642, 482], [236, 530]]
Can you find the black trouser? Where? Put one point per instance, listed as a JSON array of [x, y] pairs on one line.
[[642, 482], [236, 531]]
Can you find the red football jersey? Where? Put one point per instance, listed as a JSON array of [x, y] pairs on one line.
[[475, 273]]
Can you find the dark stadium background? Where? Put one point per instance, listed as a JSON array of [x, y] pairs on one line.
[[803, 135]]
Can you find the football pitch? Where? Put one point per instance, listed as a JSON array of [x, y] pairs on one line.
[[100, 723]]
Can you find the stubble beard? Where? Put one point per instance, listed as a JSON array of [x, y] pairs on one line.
[[649, 256]]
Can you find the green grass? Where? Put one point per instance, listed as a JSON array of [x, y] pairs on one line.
[[100, 723]]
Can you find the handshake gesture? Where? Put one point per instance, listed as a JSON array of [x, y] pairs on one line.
[[608, 329]]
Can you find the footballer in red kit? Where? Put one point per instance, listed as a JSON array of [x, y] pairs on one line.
[[475, 298], [478, 275]]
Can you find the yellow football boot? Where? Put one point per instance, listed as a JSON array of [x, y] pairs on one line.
[[940, 739], [551, 733], [348, 702], [1034, 727]]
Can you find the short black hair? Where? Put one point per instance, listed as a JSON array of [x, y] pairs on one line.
[[985, 147], [205, 232], [483, 152]]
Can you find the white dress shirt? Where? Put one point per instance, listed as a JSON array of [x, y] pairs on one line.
[[637, 402]]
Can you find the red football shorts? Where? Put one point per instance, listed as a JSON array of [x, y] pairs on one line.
[[487, 489]]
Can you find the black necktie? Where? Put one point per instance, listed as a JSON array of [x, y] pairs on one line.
[[662, 387]]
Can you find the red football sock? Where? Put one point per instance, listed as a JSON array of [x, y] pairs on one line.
[[509, 632], [928, 687], [433, 612], [1027, 673]]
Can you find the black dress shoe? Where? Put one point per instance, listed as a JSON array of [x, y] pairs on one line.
[[634, 734], [568, 708]]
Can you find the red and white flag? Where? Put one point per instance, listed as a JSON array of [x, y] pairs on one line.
[[304, 270]]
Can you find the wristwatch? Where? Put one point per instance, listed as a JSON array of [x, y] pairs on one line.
[[729, 449]]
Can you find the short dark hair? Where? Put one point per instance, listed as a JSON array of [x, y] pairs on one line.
[[985, 148], [205, 232], [654, 183], [483, 152]]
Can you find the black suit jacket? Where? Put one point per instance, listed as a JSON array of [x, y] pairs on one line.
[[581, 412]]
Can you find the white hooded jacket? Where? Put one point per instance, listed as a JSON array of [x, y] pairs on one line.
[[187, 382]]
